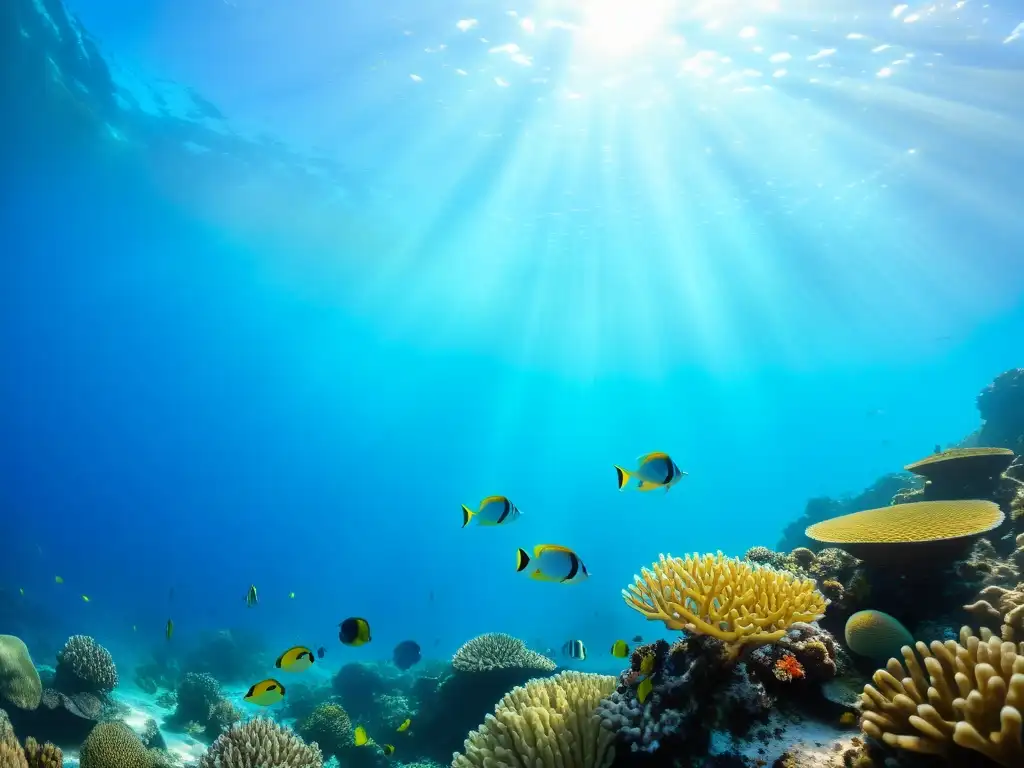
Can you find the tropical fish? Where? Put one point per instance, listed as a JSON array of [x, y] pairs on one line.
[[551, 562], [21, 590], [653, 470], [575, 649], [291, 595], [644, 689], [359, 737], [265, 693], [354, 631], [134, 628], [320, 652], [619, 649], [647, 664], [388, 749], [295, 659], [494, 510], [637, 639], [406, 654], [251, 597], [58, 579], [85, 598], [169, 630], [404, 726]]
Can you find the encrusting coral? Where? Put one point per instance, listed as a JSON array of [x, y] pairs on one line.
[[261, 743], [969, 694], [19, 680], [497, 650], [739, 603], [83, 665], [547, 723]]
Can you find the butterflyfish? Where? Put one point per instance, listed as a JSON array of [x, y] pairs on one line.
[[494, 510], [58, 579], [653, 470], [644, 689], [619, 649], [265, 693], [551, 562], [647, 664], [251, 598], [169, 630], [359, 737], [575, 649], [388, 749], [354, 631], [404, 726], [295, 659], [406, 654]]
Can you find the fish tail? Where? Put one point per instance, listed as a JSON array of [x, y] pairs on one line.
[[522, 560], [623, 476], [467, 514]]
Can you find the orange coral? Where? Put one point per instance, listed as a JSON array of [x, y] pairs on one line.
[[788, 668]]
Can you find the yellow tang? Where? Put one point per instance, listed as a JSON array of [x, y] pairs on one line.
[[169, 629], [619, 649], [494, 510], [295, 659], [354, 631], [58, 579], [551, 562], [644, 689], [647, 664], [653, 470], [404, 726], [388, 749], [359, 737], [265, 693]]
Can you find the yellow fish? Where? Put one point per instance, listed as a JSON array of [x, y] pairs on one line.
[[647, 664], [85, 598], [494, 510], [359, 737], [265, 693], [619, 649], [551, 562], [847, 718], [653, 470], [388, 749], [251, 598], [644, 689], [404, 726], [354, 631], [58, 579], [295, 659], [169, 630]]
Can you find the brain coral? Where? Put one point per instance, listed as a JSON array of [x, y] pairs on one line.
[[85, 665], [19, 680], [498, 651], [876, 635], [913, 523], [547, 723], [733, 600], [969, 695], [113, 745], [260, 743]]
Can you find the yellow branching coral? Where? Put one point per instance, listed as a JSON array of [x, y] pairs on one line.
[[547, 723], [737, 602], [970, 694]]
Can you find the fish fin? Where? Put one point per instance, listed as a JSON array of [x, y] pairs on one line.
[[522, 559], [492, 500], [623, 477], [542, 576], [553, 547], [280, 660], [652, 456], [467, 514]]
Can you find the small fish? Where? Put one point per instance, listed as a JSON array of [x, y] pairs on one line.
[[359, 737], [265, 693], [637, 639], [291, 595], [847, 718], [21, 591], [320, 652], [551, 562], [938, 448], [406, 654], [404, 726], [169, 629], [388, 749], [644, 689], [619, 649], [58, 579], [85, 598], [575, 649], [647, 664], [354, 631], [251, 598], [295, 659], [134, 628], [494, 510], [653, 470]]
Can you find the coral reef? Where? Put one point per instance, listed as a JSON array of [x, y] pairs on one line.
[[876, 635], [31, 755], [64, 720], [968, 696], [1001, 405], [962, 473], [548, 722], [229, 655], [495, 651], [741, 604], [42, 755], [114, 745], [19, 681], [329, 727], [85, 666], [260, 743], [201, 708]]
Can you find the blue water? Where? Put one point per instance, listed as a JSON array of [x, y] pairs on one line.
[[317, 273]]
